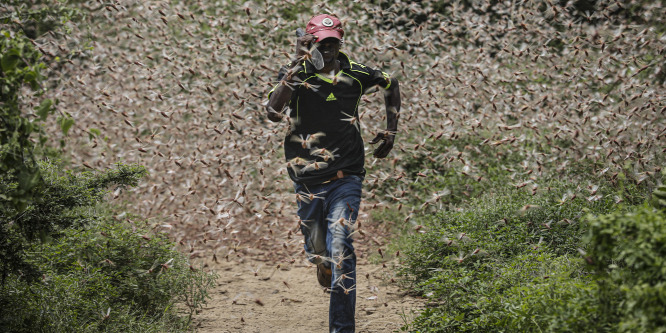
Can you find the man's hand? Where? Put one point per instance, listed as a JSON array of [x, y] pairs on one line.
[[273, 115], [385, 147], [303, 45]]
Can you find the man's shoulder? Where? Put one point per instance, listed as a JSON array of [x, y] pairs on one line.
[[353, 66], [296, 69], [359, 68], [364, 72]]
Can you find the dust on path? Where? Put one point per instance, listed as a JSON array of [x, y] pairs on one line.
[[289, 299]]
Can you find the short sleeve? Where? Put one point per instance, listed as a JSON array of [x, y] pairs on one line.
[[371, 77], [281, 73], [380, 78]]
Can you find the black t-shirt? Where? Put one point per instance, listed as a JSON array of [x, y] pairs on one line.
[[325, 135]]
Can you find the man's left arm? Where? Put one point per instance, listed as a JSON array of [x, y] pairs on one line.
[[392, 101]]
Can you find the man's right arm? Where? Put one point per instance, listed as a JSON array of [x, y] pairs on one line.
[[278, 99], [281, 95]]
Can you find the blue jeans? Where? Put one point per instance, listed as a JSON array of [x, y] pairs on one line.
[[328, 212]]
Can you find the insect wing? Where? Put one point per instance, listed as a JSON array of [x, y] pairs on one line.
[[316, 59]]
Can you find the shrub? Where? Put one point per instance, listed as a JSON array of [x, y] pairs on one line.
[[105, 278], [88, 270], [535, 291], [508, 262], [23, 66], [62, 201], [66, 264], [659, 197], [628, 250], [503, 223]]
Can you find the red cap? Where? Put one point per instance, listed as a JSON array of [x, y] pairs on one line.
[[323, 26]]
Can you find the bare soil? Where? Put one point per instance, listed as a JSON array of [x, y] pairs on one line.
[[253, 296]]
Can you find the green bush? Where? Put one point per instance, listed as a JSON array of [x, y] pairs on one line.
[[89, 271], [508, 262], [659, 197], [66, 265], [503, 223], [23, 66], [628, 250], [511, 262], [22, 75], [63, 200], [557, 297], [532, 292], [107, 266]]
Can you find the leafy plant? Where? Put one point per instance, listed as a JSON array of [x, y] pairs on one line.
[[112, 277], [62, 203], [659, 197], [628, 251], [509, 261], [22, 65], [90, 270]]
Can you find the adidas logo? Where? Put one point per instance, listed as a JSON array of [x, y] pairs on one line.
[[331, 98]]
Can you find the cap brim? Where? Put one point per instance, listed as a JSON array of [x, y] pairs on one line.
[[323, 34]]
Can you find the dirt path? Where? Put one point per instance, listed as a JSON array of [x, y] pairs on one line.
[[289, 299]]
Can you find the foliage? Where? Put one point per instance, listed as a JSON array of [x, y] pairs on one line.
[[111, 277], [509, 259], [659, 197], [22, 65], [19, 67], [87, 262], [535, 291], [61, 194], [504, 223], [66, 263], [62, 203], [628, 250]]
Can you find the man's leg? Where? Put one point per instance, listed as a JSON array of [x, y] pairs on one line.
[[343, 201], [313, 225]]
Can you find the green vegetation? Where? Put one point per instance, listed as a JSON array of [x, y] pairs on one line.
[[511, 246], [68, 261], [528, 205], [506, 254], [70, 264], [628, 252], [514, 260], [530, 141], [575, 253]]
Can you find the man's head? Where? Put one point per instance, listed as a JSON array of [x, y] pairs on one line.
[[328, 33], [325, 26]]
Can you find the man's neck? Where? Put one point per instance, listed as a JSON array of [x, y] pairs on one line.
[[333, 66]]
